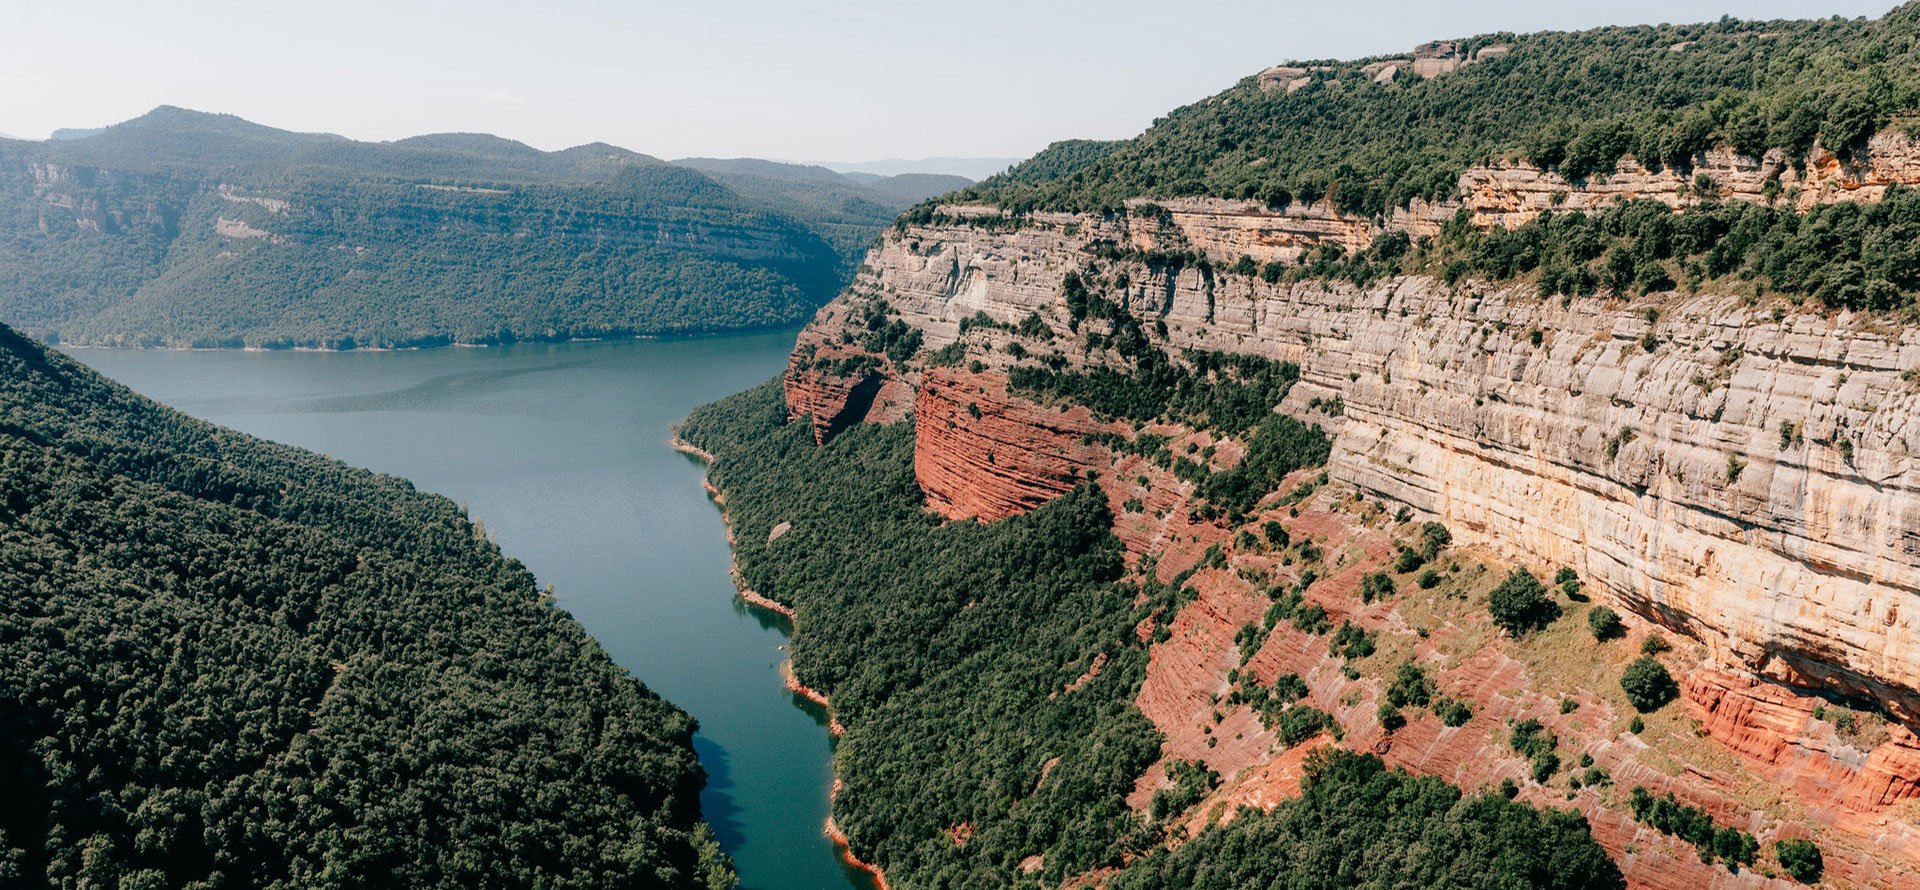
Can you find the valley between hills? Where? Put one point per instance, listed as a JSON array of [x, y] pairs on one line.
[[1486, 466]]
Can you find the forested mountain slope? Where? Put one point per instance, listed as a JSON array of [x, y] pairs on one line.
[[229, 663], [183, 228], [1372, 134], [986, 676]]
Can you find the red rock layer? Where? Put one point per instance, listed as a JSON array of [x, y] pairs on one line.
[[981, 454], [1775, 729], [840, 384], [835, 402]]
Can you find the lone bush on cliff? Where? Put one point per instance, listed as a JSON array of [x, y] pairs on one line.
[[1801, 859], [1647, 684], [1520, 604], [1605, 623]]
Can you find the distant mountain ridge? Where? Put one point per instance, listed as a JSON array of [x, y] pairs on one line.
[[901, 186], [971, 168], [185, 228], [847, 211]]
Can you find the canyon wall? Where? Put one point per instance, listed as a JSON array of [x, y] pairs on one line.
[[1737, 473]]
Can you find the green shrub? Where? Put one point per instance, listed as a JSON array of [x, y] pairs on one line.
[[1407, 560], [1351, 641], [1411, 686], [1453, 712], [1312, 619], [1520, 604], [1377, 586], [1800, 858], [1532, 739], [1647, 684], [1301, 723], [1249, 639], [1390, 716], [1605, 623]]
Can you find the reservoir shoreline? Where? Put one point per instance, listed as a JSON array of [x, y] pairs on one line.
[[557, 449], [792, 683]]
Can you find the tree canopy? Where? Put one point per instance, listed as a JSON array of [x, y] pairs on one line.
[[1358, 824], [229, 663]]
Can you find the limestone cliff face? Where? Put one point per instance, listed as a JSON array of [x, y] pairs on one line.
[[1748, 481], [68, 197]]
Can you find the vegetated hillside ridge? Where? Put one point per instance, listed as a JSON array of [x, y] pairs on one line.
[[1676, 382], [225, 662], [971, 168], [180, 228], [846, 211], [1375, 134]]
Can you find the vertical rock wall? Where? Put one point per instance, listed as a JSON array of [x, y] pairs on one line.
[[1748, 481]]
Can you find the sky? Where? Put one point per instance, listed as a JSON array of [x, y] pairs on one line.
[[845, 81]]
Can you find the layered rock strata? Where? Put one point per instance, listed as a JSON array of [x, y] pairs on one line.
[[1744, 478], [978, 453]]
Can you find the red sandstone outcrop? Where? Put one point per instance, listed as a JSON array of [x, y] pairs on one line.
[[1778, 733], [839, 384], [979, 454]]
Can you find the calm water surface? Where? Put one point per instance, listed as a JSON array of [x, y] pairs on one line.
[[561, 451]]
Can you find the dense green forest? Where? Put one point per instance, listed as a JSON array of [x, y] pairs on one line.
[[182, 228], [1358, 824], [960, 658], [1843, 255], [228, 663], [1578, 101]]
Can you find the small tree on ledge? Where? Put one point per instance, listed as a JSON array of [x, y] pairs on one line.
[[1520, 604]]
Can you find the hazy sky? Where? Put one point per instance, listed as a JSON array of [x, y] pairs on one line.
[[851, 80]]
